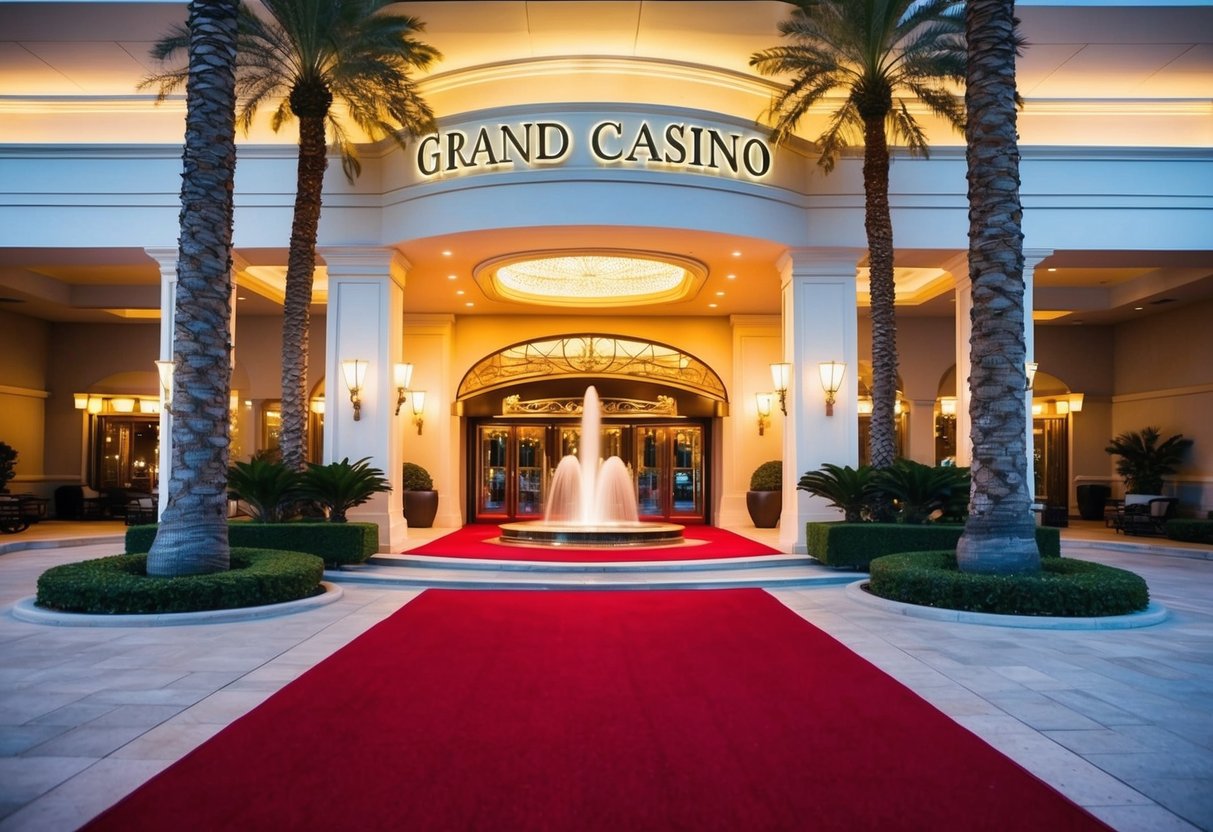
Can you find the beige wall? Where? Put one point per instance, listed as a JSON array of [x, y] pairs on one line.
[[23, 396]]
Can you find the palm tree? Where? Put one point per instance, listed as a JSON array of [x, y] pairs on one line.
[[307, 54], [192, 536], [999, 535], [877, 54]]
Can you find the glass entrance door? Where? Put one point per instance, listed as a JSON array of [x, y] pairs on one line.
[[669, 469], [511, 465]]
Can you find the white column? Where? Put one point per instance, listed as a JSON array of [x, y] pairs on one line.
[[166, 259], [1031, 259], [820, 323], [365, 319], [959, 267]]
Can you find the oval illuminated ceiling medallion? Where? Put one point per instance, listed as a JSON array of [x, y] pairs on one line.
[[590, 278]]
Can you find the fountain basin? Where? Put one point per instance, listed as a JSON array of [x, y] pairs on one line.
[[578, 535]]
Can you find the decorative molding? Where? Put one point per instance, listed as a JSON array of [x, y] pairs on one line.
[[514, 406], [25, 392], [1165, 393]]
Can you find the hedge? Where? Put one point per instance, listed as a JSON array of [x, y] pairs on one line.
[[854, 545], [1190, 531], [336, 543], [1064, 587], [119, 584]]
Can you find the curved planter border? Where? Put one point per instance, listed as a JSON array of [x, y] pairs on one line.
[[1151, 615], [27, 610]]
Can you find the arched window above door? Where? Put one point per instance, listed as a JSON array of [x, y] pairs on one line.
[[592, 355]]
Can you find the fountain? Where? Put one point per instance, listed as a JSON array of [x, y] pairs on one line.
[[591, 502]]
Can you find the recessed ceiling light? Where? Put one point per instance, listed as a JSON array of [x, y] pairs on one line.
[[1050, 270], [737, 254], [1138, 308], [712, 305], [459, 291], [730, 277], [452, 277], [720, 294], [469, 303], [446, 253], [241, 297]]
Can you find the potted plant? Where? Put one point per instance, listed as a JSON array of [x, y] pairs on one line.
[[420, 498], [846, 488], [1144, 460], [8, 464], [764, 500]]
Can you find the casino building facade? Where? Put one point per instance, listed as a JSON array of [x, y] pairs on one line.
[[600, 205]]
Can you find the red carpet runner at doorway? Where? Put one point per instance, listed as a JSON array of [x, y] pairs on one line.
[[595, 712], [474, 541]]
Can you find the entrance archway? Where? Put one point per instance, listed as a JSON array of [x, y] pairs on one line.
[[523, 407]]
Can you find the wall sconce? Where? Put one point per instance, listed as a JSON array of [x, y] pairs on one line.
[[80, 400], [1038, 409], [1030, 373], [317, 405], [864, 406], [764, 411], [831, 373], [947, 406], [165, 369], [354, 370], [123, 404], [781, 376], [1061, 407], [1075, 402], [419, 409], [402, 374], [96, 404], [151, 406]]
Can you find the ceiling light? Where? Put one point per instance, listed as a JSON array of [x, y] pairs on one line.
[[469, 304], [591, 278], [446, 253], [730, 277], [737, 254], [452, 277], [720, 294], [712, 305], [459, 292], [1138, 308]]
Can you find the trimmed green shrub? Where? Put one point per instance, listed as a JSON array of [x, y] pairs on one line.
[[339, 486], [336, 543], [119, 584], [921, 493], [768, 476], [416, 478], [1064, 587], [1190, 530], [854, 545]]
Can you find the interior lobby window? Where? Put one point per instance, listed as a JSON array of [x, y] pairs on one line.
[[126, 453]]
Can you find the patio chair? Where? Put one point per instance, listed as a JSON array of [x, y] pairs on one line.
[[1147, 518], [141, 510]]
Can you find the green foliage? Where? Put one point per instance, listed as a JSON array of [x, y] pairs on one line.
[[8, 464], [849, 489], [268, 487], [1144, 462], [1064, 587], [335, 543], [120, 585], [339, 486], [1190, 530], [854, 545], [768, 476], [921, 493], [417, 478]]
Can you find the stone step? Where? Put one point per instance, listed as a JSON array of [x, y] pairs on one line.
[[605, 565], [553, 577]]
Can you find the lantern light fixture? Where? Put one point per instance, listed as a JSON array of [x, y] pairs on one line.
[[831, 373], [763, 400], [1075, 400], [1030, 368], [403, 377], [781, 377], [80, 401], [354, 370], [418, 409]]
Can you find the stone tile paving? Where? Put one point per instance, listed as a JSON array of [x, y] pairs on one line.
[[1115, 719]]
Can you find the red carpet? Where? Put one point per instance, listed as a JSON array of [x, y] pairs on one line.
[[595, 712], [472, 541]]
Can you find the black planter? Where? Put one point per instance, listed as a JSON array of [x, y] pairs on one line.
[[1092, 498], [420, 508], [764, 508]]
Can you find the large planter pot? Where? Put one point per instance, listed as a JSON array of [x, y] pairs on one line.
[[420, 508], [1092, 498], [764, 508]]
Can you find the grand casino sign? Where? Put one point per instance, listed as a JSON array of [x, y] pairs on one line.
[[621, 143]]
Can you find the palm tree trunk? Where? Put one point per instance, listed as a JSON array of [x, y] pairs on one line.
[[999, 536], [879, 225], [192, 536], [296, 313]]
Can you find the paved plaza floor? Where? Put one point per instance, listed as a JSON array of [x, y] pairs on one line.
[[1118, 720]]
